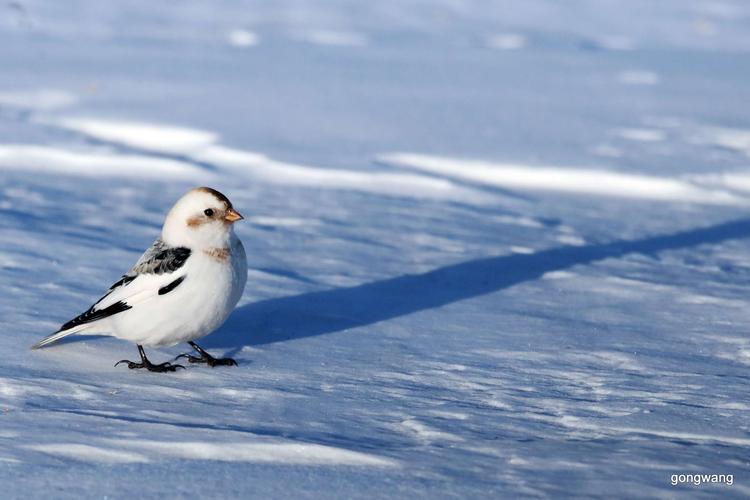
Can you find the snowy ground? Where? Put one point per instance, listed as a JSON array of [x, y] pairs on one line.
[[495, 248]]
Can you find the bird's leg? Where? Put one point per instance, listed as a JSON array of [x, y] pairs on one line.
[[148, 365], [206, 357]]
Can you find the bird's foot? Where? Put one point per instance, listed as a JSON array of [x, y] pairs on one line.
[[148, 365], [208, 359]]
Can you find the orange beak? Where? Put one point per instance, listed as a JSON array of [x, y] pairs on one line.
[[233, 215]]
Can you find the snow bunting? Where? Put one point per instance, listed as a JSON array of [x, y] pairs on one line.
[[182, 288]]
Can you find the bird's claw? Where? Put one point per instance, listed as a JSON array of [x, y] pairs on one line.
[[228, 362], [168, 367], [131, 364], [221, 362], [161, 368], [191, 359], [209, 360]]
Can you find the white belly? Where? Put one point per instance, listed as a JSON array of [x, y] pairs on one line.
[[196, 307]]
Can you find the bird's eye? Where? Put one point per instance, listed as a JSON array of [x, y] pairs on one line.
[[209, 212]]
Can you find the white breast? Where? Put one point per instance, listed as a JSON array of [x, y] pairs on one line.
[[212, 287]]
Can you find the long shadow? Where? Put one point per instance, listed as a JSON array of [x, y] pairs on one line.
[[328, 311]]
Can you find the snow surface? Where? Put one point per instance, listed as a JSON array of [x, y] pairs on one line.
[[496, 249]]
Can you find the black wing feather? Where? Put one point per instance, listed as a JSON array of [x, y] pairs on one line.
[[160, 259], [122, 282], [166, 289], [170, 260], [92, 315]]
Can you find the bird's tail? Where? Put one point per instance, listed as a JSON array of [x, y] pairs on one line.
[[58, 335]]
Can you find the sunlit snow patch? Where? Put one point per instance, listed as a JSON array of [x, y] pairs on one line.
[[607, 151], [242, 38], [154, 137], [733, 181], [734, 139], [506, 41], [334, 38], [263, 220], [425, 433], [88, 453], [639, 432], [569, 180], [638, 77], [40, 100], [279, 453], [201, 146], [641, 134], [397, 184], [91, 163], [618, 43]]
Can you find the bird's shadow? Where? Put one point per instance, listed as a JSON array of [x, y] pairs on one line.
[[328, 311]]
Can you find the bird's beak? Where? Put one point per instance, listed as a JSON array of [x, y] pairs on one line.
[[233, 215]]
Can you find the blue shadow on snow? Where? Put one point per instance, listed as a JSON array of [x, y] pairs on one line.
[[328, 311]]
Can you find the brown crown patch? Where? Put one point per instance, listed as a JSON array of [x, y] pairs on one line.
[[219, 196]]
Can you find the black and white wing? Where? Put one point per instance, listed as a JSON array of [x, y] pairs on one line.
[[159, 264], [159, 271]]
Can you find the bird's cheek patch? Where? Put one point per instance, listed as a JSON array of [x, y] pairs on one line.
[[196, 221]]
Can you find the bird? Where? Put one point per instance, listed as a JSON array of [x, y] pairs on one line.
[[181, 289]]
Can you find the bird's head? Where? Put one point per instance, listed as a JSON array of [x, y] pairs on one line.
[[202, 218]]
